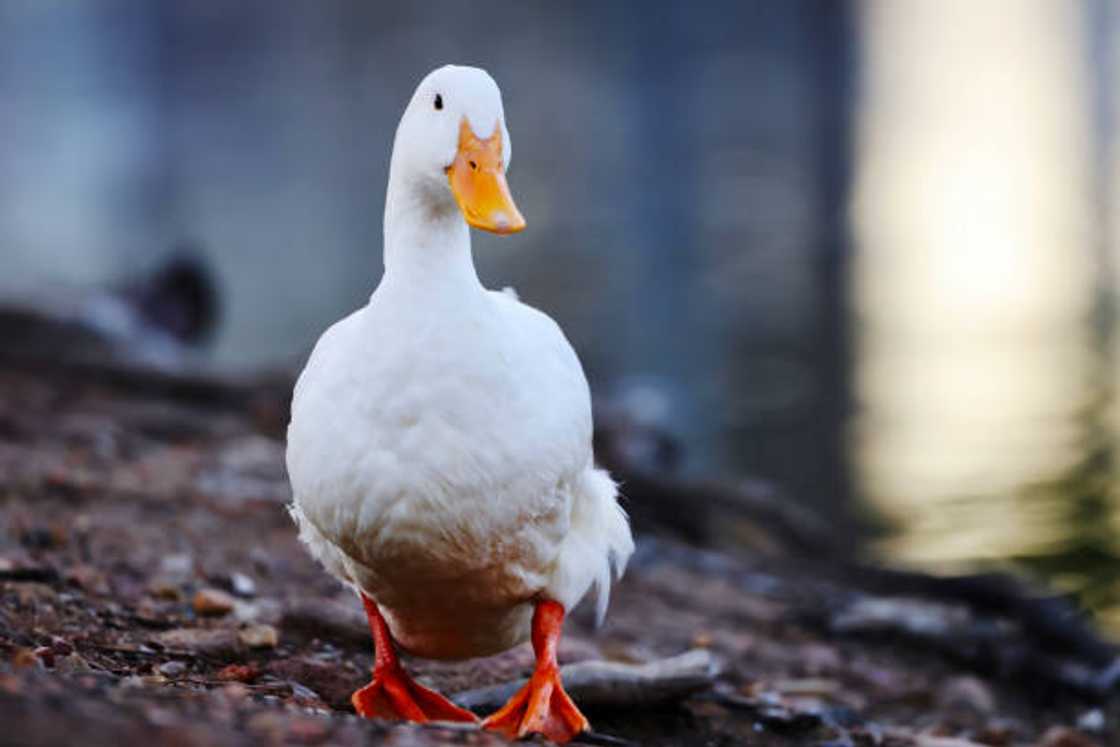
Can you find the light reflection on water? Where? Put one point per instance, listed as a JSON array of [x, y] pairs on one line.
[[983, 382]]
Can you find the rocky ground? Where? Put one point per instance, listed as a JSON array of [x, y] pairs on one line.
[[152, 590]]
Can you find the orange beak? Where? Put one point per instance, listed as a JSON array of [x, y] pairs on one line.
[[478, 180]]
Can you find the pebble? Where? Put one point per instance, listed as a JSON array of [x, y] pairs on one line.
[[303, 692], [179, 567], [966, 693], [239, 673], [61, 646], [87, 578], [46, 656], [259, 611], [172, 668], [163, 588], [200, 641], [931, 740], [242, 585], [136, 682], [72, 664], [212, 602], [24, 657], [1063, 736], [1092, 721], [259, 636], [999, 732], [133, 682]]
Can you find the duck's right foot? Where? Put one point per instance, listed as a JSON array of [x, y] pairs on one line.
[[541, 706]]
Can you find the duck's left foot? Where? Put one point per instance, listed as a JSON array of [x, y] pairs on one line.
[[393, 695], [541, 706]]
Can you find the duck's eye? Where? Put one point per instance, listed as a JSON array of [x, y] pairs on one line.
[[439, 102]]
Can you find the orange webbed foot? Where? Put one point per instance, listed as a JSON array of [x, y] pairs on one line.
[[541, 706], [393, 695]]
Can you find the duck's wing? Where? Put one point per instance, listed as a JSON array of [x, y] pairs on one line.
[[309, 449], [598, 543]]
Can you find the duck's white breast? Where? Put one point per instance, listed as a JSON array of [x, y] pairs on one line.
[[436, 447]]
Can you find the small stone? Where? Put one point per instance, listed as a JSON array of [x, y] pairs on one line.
[[153, 612], [61, 646], [87, 578], [259, 611], [46, 655], [1092, 721], [172, 668], [25, 657], [212, 602], [133, 682], [137, 682], [245, 611], [966, 693], [239, 673], [259, 636], [200, 641], [242, 585], [303, 692], [932, 740], [72, 664], [178, 567], [163, 588], [999, 732], [1063, 736]]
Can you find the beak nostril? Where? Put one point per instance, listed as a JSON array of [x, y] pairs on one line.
[[474, 166]]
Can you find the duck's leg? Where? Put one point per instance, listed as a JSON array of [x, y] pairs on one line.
[[392, 694], [541, 706]]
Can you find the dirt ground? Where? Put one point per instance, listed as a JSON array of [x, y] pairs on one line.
[[152, 591]]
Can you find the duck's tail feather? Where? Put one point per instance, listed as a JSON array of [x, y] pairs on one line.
[[597, 546]]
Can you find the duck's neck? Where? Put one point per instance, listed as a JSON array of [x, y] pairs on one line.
[[427, 242]]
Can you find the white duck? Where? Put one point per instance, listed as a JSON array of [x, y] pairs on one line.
[[440, 443]]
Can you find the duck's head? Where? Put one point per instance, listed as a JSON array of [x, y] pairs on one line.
[[452, 143]]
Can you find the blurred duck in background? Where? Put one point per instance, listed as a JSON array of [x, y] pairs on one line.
[[161, 321], [440, 447]]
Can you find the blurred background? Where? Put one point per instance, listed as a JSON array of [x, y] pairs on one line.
[[865, 250]]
